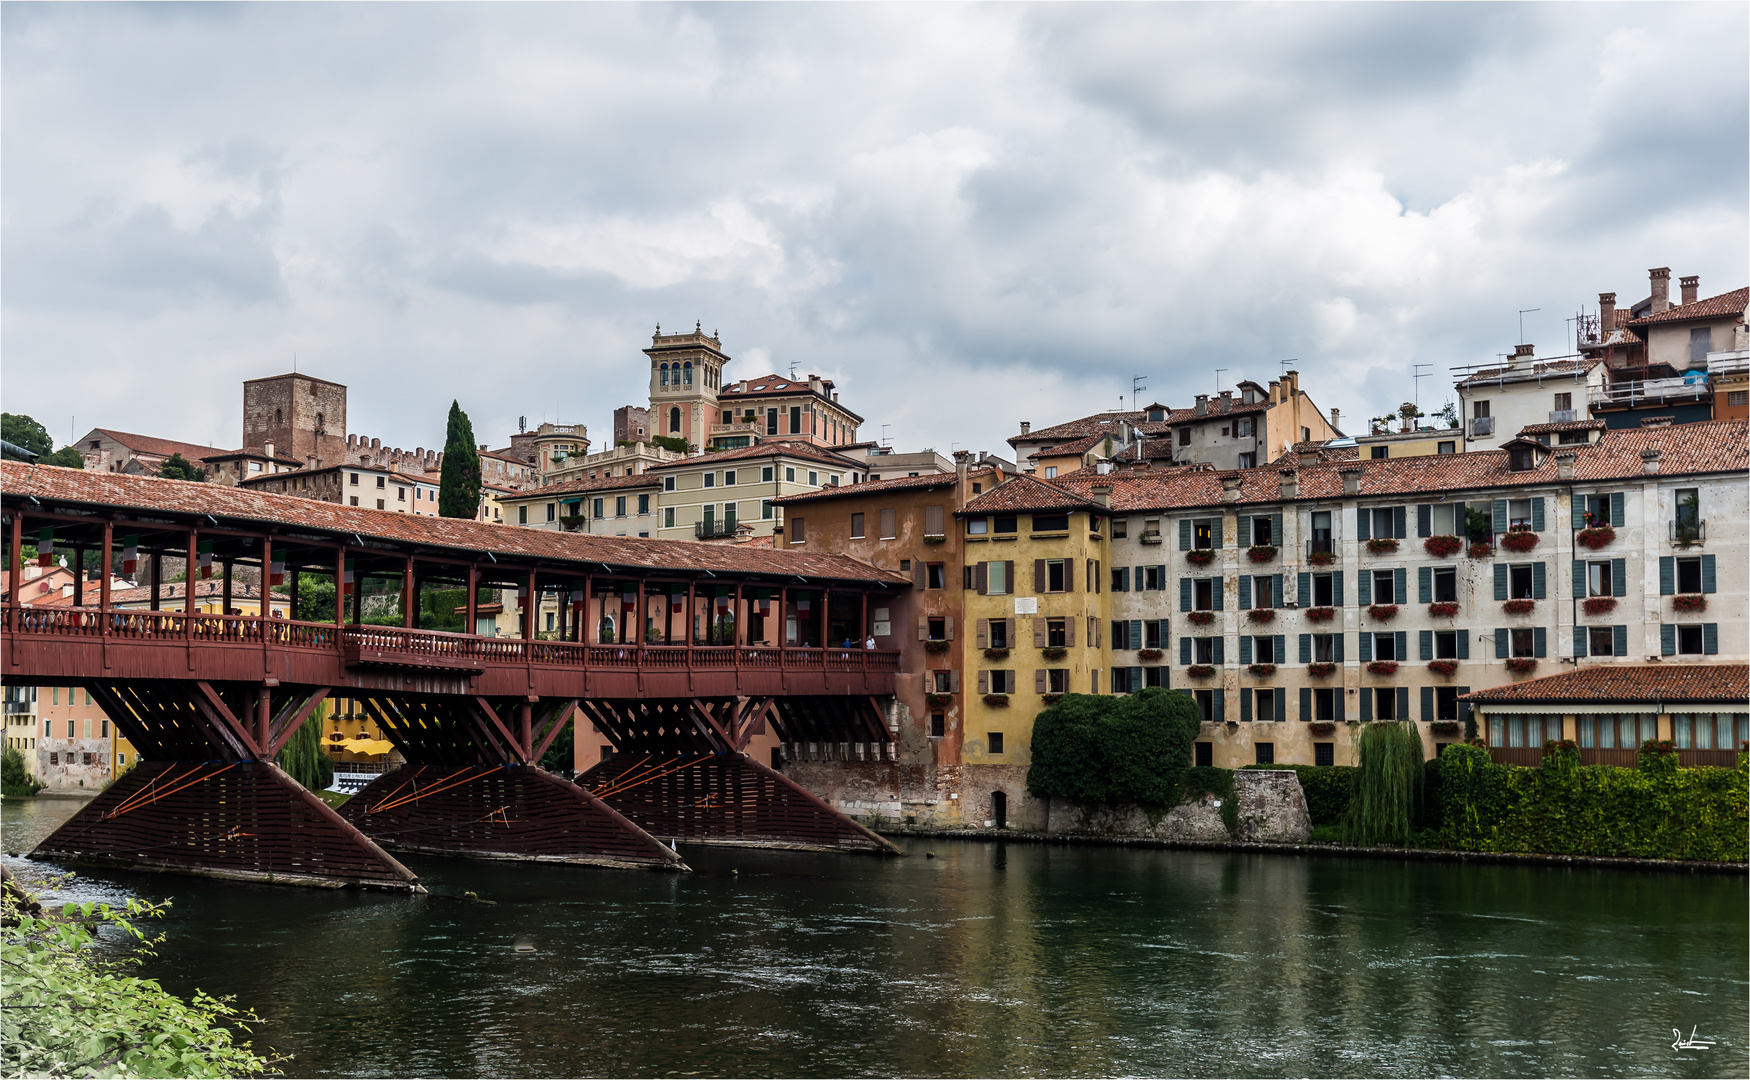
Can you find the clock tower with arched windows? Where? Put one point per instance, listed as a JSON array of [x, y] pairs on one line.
[[686, 371]]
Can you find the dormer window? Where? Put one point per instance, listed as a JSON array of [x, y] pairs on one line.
[[1521, 459]]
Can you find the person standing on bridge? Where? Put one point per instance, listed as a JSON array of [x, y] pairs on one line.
[[870, 643]]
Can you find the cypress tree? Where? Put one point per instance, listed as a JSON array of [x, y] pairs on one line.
[[459, 482]]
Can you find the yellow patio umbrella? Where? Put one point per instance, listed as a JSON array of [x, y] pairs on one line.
[[369, 747]]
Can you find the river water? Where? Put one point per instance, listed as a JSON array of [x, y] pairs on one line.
[[986, 960]]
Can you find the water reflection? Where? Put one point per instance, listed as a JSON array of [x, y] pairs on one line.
[[987, 960]]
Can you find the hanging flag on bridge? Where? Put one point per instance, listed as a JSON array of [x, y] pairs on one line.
[[722, 598], [204, 558], [130, 555], [276, 571], [577, 597], [347, 578], [677, 600], [522, 598], [45, 548]]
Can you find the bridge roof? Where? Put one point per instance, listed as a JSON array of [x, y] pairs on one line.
[[241, 506]]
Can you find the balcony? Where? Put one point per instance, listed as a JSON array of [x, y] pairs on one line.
[[741, 427], [1149, 538], [1561, 416], [714, 530], [1482, 425], [1640, 393]]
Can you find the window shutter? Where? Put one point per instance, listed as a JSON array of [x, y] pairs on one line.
[[1340, 704], [1427, 703], [1306, 709], [1710, 638], [1185, 599], [1164, 638], [1039, 680], [1580, 641], [1538, 584], [1463, 645], [1245, 592], [981, 578], [1618, 577], [1539, 641], [1185, 652], [1404, 702], [948, 627], [1402, 641], [1426, 640], [1398, 523], [1184, 534], [1619, 640], [920, 574], [1667, 575], [1366, 647], [1281, 650], [1537, 514], [1124, 579], [1220, 696], [1303, 589], [1219, 650], [1276, 590], [1069, 575], [1218, 590], [1306, 648], [1337, 588], [1245, 706], [923, 628], [981, 638], [1500, 522], [1424, 584], [1500, 581], [1009, 575], [1276, 536], [1500, 643], [1245, 648], [1707, 574], [1364, 589], [1161, 577], [1281, 710], [1579, 571], [1069, 631], [983, 681], [1464, 707], [1243, 524], [1136, 638], [1363, 524], [1337, 648], [933, 520], [1667, 640], [1366, 696], [1094, 633], [1039, 629], [1215, 532], [1424, 520], [1133, 679], [954, 681], [1616, 516], [1400, 579], [1038, 575]]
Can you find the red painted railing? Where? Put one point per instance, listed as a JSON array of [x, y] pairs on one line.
[[436, 647]]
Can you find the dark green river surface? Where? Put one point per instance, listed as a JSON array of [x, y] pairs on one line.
[[987, 960]]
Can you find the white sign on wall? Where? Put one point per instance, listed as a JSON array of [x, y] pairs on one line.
[[1026, 605]]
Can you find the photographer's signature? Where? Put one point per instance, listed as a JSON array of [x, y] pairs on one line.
[[1691, 1043]]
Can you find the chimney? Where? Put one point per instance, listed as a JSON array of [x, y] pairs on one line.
[[1202, 406], [1606, 314], [1690, 285], [1102, 494], [1650, 461], [1309, 457], [1521, 354], [1351, 475], [960, 459], [1660, 278], [1230, 488], [1290, 489], [1026, 426], [1565, 465], [1275, 391], [1227, 400], [269, 450], [1290, 383], [1334, 424]]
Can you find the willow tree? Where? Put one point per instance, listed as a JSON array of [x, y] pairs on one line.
[[1387, 788], [459, 482], [304, 758]]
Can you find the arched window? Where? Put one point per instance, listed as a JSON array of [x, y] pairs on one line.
[[319, 424], [664, 375], [674, 419], [279, 416], [687, 373]]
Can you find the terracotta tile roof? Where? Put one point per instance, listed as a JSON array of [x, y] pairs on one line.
[[1605, 684], [1722, 306], [1715, 446], [146, 444], [170, 590], [1027, 493], [1534, 370], [776, 386], [1155, 449], [1571, 425], [1324, 450], [154, 495], [1078, 446], [254, 452], [769, 448], [1097, 424], [925, 482], [585, 485]]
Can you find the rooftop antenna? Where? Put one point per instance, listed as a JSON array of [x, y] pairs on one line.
[[885, 441], [1282, 365], [1218, 372], [1574, 321], [1522, 313], [1137, 382], [793, 370], [1418, 376]]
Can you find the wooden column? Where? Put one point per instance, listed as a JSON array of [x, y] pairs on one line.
[[189, 574], [157, 560], [525, 736], [15, 556], [584, 628], [692, 623], [266, 581], [407, 593], [340, 586], [225, 590], [530, 609], [863, 630], [263, 717], [473, 599], [103, 577], [781, 636], [358, 593], [740, 635], [78, 577]]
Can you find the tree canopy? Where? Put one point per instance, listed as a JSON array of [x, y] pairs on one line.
[[178, 467], [21, 430], [459, 481], [1091, 748]]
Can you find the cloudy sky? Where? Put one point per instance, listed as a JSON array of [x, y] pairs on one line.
[[967, 216]]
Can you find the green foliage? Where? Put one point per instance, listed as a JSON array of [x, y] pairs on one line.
[[21, 430], [14, 780], [459, 481], [179, 468], [315, 598], [1387, 794], [561, 756], [69, 1011], [67, 457], [1564, 808], [670, 442], [1448, 414], [303, 757], [1092, 748], [1479, 525]]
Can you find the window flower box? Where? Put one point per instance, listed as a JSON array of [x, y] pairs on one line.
[[1383, 612], [1261, 552], [928, 539], [1598, 605], [1200, 671], [1262, 671], [1443, 667], [1320, 671], [1519, 607], [1443, 547], [939, 699], [1321, 614], [1200, 618], [1382, 667], [1443, 610], [1595, 537], [1480, 551], [936, 645], [1444, 727], [1321, 558], [1051, 699], [1519, 539], [1000, 701], [996, 654], [1200, 556], [1054, 652], [1321, 727], [1261, 615], [1381, 545], [1521, 665], [1148, 654], [1689, 602]]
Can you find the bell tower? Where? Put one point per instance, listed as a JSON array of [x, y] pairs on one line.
[[686, 371]]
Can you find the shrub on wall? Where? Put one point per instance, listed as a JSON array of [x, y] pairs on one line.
[[1094, 748]]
